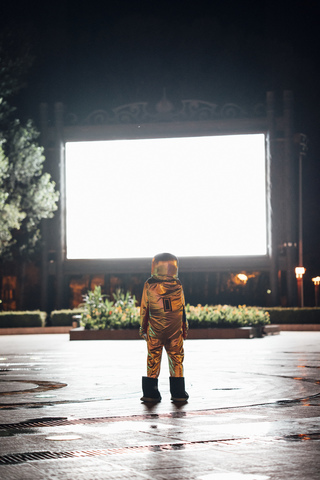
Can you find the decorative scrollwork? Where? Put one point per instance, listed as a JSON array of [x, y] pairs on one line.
[[165, 111], [98, 117], [131, 113], [231, 110], [198, 110], [259, 110], [71, 119], [303, 144]]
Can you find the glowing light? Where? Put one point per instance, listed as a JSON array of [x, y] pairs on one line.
[[300, 271], [242, 277], [134, 198], [316, 280]]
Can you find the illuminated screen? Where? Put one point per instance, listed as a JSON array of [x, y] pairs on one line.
[[192, 196]]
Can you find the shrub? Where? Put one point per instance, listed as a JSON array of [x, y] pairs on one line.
[[63, 318], [297, 315], [100, 313], [22, 319], [225, 316]]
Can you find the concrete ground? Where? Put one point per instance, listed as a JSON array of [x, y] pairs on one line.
[[72, 410]]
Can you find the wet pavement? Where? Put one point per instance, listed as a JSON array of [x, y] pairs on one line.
[[72, 410]]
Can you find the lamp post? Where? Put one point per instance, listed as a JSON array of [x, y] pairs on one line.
[[316, 281], [300, 271]]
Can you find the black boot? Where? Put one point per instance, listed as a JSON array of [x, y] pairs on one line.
[[150, 390], [177, 389]]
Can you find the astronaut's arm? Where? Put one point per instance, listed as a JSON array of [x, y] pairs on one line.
[[144, 314], [185, 325]]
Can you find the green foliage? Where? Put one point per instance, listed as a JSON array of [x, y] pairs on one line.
[[10, 215], [63, 318], [27, 194], [101, 313], [296, 315], [225, 316], [22, 319]]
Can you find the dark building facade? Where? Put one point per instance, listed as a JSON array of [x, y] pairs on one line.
[[254, 280]]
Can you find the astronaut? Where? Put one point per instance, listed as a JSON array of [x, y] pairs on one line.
[[163, 323]]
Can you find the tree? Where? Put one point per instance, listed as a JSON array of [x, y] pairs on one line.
[[11, 217], [27, 194]]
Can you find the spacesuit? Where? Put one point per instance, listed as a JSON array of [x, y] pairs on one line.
[[163, 324]]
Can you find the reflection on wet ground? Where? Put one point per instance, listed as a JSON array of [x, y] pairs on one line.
[[253, 412]]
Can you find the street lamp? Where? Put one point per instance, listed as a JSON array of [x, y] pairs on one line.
[[316, 281], [303, 144], [300, 271]]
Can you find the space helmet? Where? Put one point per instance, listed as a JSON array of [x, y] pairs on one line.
[[165, 264]]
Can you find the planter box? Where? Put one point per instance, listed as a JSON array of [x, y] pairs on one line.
[[196, 333], [241, 332], [292, 327], [34, 330], [82, 334]]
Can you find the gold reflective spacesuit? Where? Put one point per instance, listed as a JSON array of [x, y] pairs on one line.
[[162, 316]]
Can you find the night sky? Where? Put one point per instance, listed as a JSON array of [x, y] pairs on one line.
[[92, 55]]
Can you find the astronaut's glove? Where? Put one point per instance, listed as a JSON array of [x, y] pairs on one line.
[[142, 334], [184, 330]]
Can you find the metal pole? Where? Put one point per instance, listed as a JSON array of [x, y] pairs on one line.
[[300, 291], [290, 220], [272, 188], [302, 153], [44, 226], [301, 302], [59, 126]]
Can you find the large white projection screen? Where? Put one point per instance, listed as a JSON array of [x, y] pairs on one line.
[[191, 196]]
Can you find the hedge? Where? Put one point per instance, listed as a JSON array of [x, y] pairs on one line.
[[225, 316], [63, 318], [306, 315], [199, 317], [22, 319]]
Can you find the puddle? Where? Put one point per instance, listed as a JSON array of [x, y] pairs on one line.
[[62, 438], [231, 388], [45, 396], [302, 437], [233, 476]]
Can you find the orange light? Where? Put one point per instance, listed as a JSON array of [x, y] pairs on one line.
[[316, 280], [242, 277], [304, 436]]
